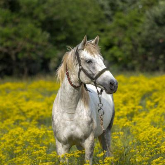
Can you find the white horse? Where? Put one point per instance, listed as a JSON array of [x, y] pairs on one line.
[[75, 116]]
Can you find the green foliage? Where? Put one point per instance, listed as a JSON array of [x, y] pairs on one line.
[[127, 39], [23, 45], [153, 41], [121, 44], [34, 33]]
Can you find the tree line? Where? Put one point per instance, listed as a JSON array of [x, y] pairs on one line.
[[34, 33]]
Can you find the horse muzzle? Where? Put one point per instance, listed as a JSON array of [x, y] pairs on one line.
[[111, 87]]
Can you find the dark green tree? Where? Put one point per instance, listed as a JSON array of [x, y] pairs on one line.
[[35, 33], [23, 45], [153, 39], [121, 44], [122, 40]]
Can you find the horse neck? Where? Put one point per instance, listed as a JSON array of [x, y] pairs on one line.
[[68, 97]]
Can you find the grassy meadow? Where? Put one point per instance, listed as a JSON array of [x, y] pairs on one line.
[[138, 138]]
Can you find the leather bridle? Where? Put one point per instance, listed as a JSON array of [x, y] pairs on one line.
[[85, 72]]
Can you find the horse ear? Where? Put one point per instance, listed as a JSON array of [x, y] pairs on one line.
[[96, 40], [83, 43]]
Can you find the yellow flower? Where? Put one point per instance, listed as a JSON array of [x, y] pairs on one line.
[[26, 135]]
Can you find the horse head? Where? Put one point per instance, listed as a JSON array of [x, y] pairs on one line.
[[91, 68]]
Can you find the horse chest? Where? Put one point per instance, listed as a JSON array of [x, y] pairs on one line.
[[73, 128]]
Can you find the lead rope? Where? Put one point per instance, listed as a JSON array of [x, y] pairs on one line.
[[101, 114]]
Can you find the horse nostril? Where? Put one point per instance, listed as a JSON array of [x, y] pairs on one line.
[[112, 82]]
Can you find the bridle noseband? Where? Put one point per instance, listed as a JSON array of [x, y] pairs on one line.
[[85, 72]]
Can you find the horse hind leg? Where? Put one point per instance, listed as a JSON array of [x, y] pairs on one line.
[[104, 140]]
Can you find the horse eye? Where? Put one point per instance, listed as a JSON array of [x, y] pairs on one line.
[[89, 61]]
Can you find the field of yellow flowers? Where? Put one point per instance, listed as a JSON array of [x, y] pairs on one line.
[[26, 136]]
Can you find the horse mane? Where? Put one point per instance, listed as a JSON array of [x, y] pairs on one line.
[[69, 59]]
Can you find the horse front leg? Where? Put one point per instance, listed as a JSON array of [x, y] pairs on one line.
[[89, 148], [61, 150]]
